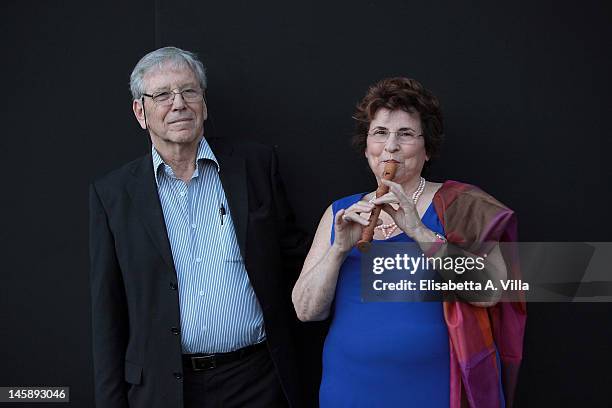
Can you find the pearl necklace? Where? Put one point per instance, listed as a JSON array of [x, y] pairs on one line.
[[388, 229]]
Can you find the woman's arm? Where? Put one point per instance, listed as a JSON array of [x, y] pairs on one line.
[[494, 266], [314, 290], [408, 220]]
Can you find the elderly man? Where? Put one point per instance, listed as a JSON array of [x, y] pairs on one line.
[[191, 248]]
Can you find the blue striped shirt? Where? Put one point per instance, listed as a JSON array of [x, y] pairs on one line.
[[219, 310]]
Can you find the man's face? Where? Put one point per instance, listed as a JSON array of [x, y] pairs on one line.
[[178, 123]]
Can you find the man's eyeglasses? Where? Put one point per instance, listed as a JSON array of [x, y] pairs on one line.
[[166, 98], [404, 137]]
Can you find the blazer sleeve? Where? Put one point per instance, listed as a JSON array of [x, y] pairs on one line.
[[294, 242], [109, 310]]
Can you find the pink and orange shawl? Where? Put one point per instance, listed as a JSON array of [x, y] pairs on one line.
[[471, 217]]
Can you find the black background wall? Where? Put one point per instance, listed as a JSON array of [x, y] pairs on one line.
[[524, 86]]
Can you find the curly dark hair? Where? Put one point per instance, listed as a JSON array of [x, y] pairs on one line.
[[405, 94]]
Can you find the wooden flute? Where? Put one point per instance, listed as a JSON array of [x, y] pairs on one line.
[[368, 232]]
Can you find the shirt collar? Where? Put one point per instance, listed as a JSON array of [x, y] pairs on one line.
[[204, 153]]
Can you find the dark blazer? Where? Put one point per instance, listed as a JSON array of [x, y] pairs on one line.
[[135, 302]]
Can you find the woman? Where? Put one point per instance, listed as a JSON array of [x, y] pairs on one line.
[[427, 354]]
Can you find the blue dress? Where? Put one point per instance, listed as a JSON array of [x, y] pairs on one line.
[[383, 354]]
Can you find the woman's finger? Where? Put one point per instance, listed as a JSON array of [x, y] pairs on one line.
[[339, 220], [355, 218], [387, 198], [389, 210], [361, 207], [390, 183], [397, 215], [398, 190]]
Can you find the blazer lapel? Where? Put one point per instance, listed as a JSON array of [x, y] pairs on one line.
[[143, 192], [234, 180]]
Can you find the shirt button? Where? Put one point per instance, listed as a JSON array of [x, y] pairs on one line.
[[198, 259], [175, 331], [182, 193], [173, 286], [193, 225], [201, 293], [178, 376]]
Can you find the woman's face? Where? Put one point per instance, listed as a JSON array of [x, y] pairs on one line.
[[409, 153]]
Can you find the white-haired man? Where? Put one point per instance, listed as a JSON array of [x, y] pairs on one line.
[[191, 251]]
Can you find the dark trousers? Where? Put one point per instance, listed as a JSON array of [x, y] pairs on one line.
[[248, 382]]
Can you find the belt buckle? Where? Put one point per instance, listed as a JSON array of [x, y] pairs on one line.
[[203, 363]]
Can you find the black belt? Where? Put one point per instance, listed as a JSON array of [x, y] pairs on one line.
[[202, 362]]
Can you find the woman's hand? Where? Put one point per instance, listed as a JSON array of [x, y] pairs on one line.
[[315, 289], [405, 216], [349, 224]]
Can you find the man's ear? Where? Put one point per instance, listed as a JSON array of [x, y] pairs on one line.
[[139, 112], [204, 106]]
